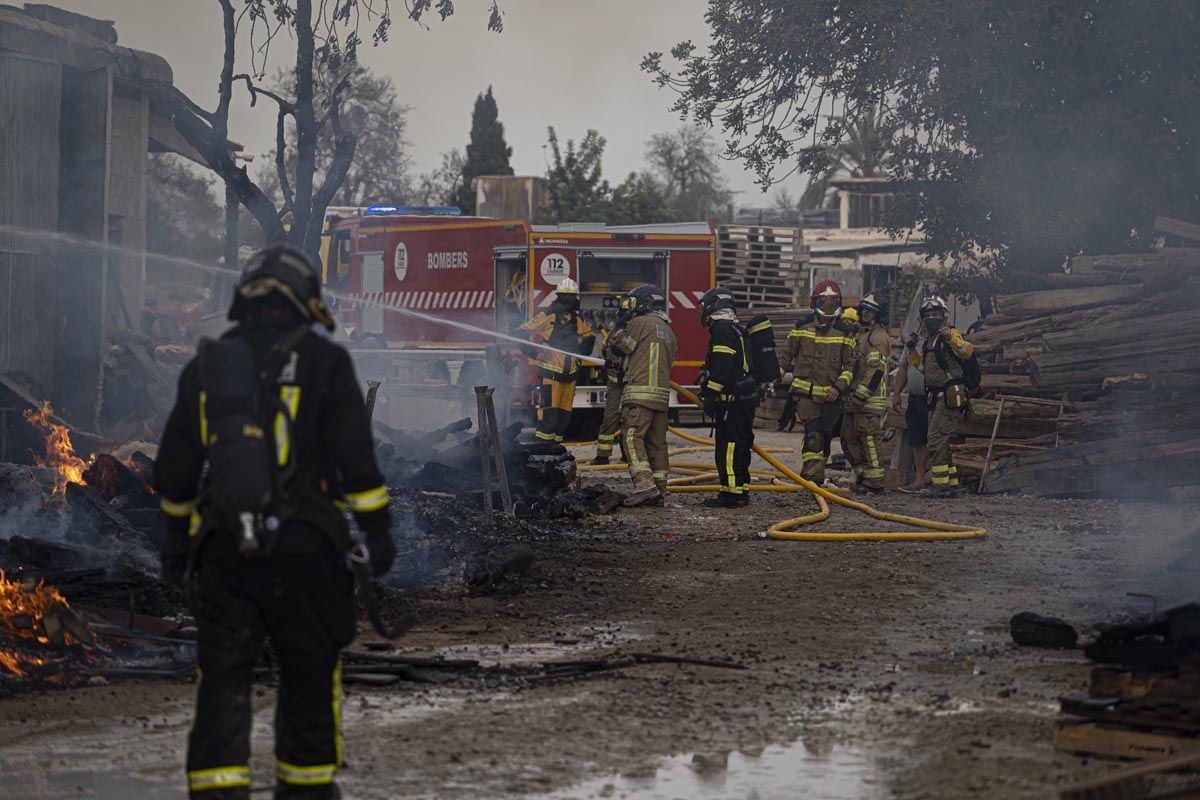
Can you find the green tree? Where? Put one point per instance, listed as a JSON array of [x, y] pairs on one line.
[[578, 192], [1027, 129], [487, 152], [862, 153], [687, 164], [641, 198]]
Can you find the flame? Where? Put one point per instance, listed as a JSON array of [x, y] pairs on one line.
[[60, 454], [14, 661], [23, 607]]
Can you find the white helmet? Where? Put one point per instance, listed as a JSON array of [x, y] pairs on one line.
[[567, 286]]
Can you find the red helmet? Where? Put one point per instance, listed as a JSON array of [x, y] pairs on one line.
[[827, 300], [826, 290]]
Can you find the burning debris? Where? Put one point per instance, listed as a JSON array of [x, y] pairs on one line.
[[59, 454], [38, 630]]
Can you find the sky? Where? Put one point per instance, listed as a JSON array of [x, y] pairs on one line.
[[572, 64]]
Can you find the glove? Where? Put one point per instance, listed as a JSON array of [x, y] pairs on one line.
[[787, 420], [710, 407], [833, 395], [788, 378], [174, 565], [382, 550]]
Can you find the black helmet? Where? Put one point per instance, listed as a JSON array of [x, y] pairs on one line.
[[871, 303], [714, 299], [647, 298], [288, 271]]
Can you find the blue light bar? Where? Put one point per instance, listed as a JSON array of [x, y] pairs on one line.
[[432, 211]]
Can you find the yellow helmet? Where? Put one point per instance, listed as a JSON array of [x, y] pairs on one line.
[[850, 315], [567, 286]]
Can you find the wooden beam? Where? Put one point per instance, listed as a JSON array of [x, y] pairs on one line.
[[1177, 227]]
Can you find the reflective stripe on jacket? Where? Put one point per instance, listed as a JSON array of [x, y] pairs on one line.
[[819, 358], [869, 389], [563, 330], [648, 346]]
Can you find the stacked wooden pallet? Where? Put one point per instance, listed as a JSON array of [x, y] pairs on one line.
[[1143, 700], [764, 266]]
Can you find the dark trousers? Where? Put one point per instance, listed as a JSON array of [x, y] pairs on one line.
[[305, 604], [735, 440]]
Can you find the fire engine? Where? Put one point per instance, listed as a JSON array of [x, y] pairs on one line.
[[418, 295]]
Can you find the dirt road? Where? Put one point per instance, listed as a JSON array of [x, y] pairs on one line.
[[874, 669]]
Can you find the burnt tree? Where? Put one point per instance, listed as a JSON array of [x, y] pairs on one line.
[[326, 34]]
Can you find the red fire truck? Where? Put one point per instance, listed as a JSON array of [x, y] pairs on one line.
[[409, 288]]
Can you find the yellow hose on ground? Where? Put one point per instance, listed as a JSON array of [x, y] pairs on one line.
[[784, 529]]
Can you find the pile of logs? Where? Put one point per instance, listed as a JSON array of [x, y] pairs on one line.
[[1114, 341]]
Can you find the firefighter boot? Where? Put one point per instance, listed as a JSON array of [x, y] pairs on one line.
[[327, 791], [727, 500], [645, 491], [600, 461]]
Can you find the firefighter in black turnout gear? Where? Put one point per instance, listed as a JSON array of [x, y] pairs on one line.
[[269, 436], [730, 394]]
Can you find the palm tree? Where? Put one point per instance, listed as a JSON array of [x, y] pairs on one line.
[[861, 154]]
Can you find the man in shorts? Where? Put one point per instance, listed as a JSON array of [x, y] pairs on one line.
[[910, 379]]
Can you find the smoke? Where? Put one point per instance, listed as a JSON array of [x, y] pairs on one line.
[[1160, 552], [422, 560], [29, 512]]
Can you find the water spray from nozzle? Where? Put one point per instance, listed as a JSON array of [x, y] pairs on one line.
[[186, 263]]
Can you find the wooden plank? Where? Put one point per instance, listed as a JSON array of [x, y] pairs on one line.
[[1119, 714], [1102, 740], [1177, 227], [1032, 304]]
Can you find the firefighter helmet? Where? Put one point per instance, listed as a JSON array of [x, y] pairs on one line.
[[934, 303], [827, 300], [871, 303], [566, 294], [647, 298], [287, 272], [850, 315], [714, 299]]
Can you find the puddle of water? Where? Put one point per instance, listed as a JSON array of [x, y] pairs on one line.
[[777, 772]]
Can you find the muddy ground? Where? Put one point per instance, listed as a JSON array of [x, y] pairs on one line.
[[874, 669]]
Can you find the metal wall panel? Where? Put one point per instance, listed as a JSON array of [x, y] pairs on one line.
[[30, 99], [82, 271]]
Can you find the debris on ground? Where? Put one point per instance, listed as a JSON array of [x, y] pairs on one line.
[[1034, 630], [1143, 700]]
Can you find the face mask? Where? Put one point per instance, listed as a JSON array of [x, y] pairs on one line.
[[933, 325]]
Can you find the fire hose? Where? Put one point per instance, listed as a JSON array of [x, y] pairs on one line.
[[786, 529]]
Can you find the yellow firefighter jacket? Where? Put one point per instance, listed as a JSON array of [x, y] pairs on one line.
[[564, 330], [648, 346], [819, 359], [868, 391]]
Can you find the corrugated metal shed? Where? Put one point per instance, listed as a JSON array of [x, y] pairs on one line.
[[30, 93]]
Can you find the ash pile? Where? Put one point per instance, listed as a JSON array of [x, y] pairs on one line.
[[449, 461]]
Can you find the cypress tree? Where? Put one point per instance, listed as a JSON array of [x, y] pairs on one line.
[[487, 152]]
